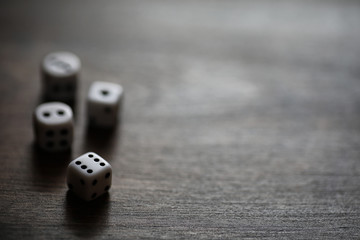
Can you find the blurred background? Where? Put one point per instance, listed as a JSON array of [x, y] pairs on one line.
[[241, 118]]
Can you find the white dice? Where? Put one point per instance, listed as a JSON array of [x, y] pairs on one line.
[[60, 72], [89, 176], [53, 126], [104, 104]]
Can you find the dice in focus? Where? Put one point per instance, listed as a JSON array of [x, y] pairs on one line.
[[60, 72], [53, 126], [104, 104], [89, 176]]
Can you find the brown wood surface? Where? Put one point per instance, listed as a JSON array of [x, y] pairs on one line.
[[241, 119]]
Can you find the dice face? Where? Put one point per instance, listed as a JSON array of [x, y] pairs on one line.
[[60, 72], [89, 176], [53, 126], [104, 104]]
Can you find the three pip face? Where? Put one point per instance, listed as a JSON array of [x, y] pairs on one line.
[[89, 176]]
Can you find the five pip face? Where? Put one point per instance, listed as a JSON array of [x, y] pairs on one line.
[[89, 176]]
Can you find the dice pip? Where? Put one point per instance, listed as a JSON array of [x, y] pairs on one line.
[[53, 126], [89, 176], [60, 72], [104, 104]]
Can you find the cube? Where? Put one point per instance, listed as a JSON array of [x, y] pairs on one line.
[[53, 126], [104, 103], [60, 72], [89, 176]]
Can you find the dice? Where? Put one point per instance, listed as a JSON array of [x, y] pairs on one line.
[[60, 73], [104, 104], [53, 126], [89, 176]]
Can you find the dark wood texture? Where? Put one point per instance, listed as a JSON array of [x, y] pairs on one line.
[[241, 119]]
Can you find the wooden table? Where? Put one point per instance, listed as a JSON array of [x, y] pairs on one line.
[[241, 119]]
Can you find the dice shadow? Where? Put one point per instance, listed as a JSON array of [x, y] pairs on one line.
[[48, 167], [86, 219], [103, 141]]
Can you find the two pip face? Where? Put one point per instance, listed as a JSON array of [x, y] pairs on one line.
[[53, 126]]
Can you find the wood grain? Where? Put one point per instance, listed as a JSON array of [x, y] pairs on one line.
[[241, 119]]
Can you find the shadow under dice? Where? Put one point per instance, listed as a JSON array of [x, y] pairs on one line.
[[104, 104], [60, 72], [53, 126], [89, 176]]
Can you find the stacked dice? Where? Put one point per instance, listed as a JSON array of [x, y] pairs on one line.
[[89, 176], [53, 121], [60, 72]]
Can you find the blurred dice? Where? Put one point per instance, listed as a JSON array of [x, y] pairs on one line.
[[60, 72], [53, 126], [104, 104]]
